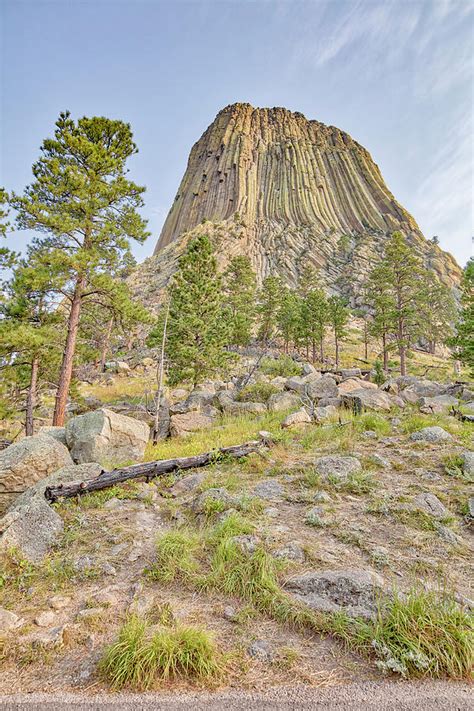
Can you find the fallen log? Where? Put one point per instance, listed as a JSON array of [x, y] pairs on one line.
[[149, 470]]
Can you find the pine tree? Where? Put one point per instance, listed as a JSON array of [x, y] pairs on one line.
[[314, 321], [288, 317], [7, 257], [87, 208], [309, 280], [239, 300], [29, 329], [379, 299], [269, 298], [438, 312], [338, 316], [197, 333], [463, 341]]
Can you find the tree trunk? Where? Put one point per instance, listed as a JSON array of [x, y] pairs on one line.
[[366, 343], [385, 353], [31, 399], [321, 352], [149, 470], [105, 346], [336, 340], [159, 379], [402, 353], [65, 374]]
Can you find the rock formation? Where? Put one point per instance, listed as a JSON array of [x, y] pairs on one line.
[[288, 192]]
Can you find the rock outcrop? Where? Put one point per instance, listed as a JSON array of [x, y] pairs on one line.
[[106, 437], [26, 462], [288, 192]]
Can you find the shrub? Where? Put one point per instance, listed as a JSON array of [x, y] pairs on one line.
[[259, 392], [140, 656], [284, 367], [379, 377]]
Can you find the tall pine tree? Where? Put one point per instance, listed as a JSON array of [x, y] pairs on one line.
[[239, 284], [463, 341], [197, 333], [338, 316], [85, 205]]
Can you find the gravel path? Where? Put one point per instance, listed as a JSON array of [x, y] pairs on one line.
[[419, 696]]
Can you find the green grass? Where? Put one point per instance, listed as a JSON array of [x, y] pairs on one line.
[[283, 367], [454, 466], [176, 556], [421, 520], [420, 634], [373, 421], [142, 656], [259, 392], [227, 431], [357, 483]]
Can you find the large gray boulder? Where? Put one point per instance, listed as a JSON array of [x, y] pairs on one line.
[[351, 384], [372, 399], [430, 504], [337, 468], [197, 401], [431, 434], [58, 433], [106, 437], [26, 462], [281, 402], [324, 387], [437, 404], [300, 417], [31, 525], [355, 592]]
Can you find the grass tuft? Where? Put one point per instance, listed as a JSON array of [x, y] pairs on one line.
[[141, 656], [176, 556]]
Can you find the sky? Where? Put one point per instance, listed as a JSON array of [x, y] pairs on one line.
[[397, 75]]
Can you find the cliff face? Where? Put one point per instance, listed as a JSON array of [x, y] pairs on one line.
[[288, 192]]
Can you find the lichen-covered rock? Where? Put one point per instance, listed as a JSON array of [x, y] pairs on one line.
[[58, 433], [355, 592], [31, 525], [26, 462], [324, 387], [468, 463], [106, 437], [337, 468], [201, 503], [431, 434], [269, 489], [371, 399], [430, 503]]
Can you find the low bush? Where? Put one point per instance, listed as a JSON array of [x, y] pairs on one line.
[[259, 392], [283, 367]]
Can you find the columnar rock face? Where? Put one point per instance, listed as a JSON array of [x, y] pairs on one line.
[[287, 192]]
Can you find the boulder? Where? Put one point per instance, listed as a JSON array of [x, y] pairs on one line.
[[31, 525], [26, 462], [323, 413], [309, 369], [234, 407], [371, 399], [431, 434], [468, 463], [300, 417], [351, 373], [58, 433], [281, 402], [8, 620], [355, 592], [189, 422], [437, 404], [292, 551], [106, 437], [278, 382], [197, 401], [324, 387], [269, 489], [178, 394], [338, 468], [348, 386], [430, 503], [298, 383]]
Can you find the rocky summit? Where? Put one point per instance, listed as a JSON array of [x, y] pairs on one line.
[[288, 192]]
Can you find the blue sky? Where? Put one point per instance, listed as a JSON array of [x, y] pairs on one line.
[[397, 75]]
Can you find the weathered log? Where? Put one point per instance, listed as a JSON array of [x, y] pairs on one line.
[[149, 470]]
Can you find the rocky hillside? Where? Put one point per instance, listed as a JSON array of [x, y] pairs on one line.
[[287, 192], [334, 512]]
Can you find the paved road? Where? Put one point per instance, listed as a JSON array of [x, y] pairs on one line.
[[380, 696]]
